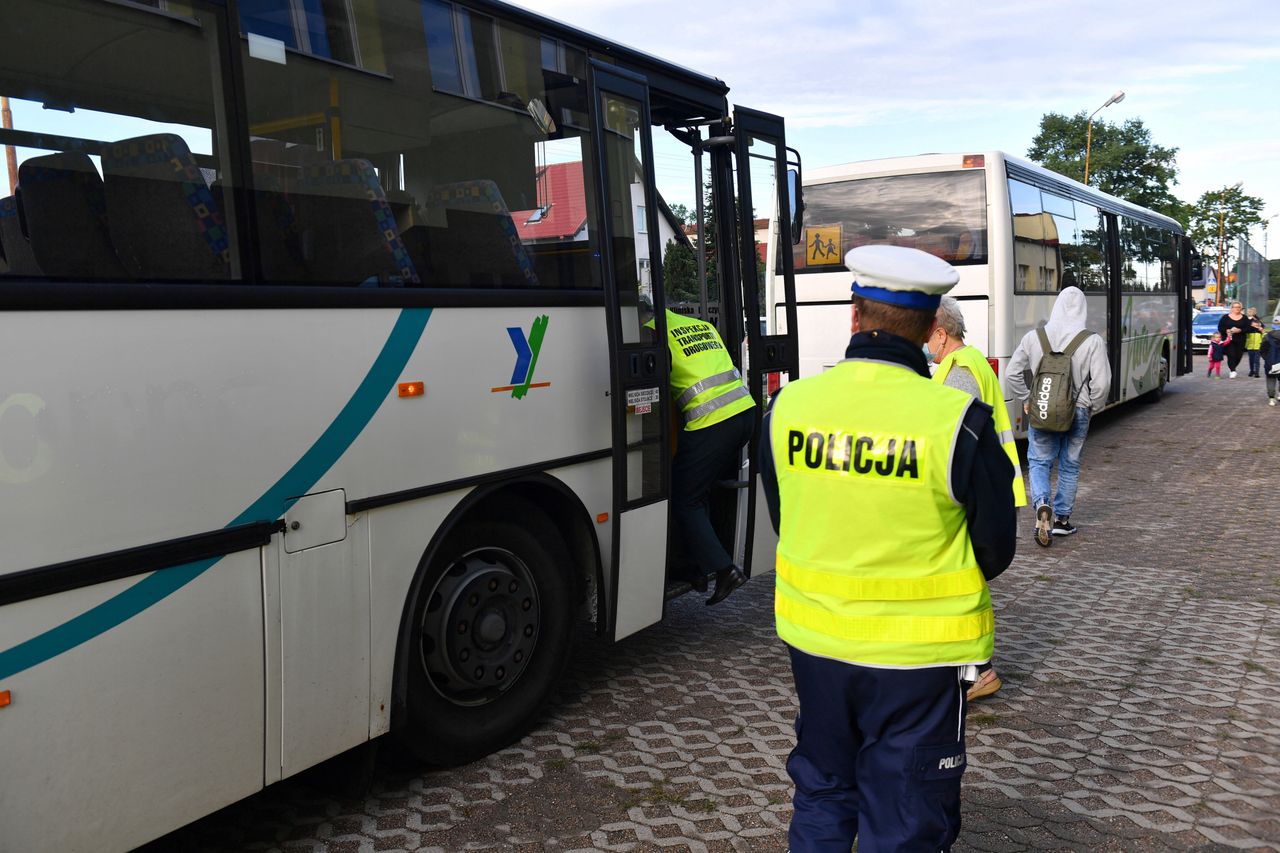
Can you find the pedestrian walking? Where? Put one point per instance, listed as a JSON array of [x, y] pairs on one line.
[[1233, 326], [1066, 400], [715, 407], [963, 367], [1217, 352], [1271, 360], [891, 497], [1253, 341]]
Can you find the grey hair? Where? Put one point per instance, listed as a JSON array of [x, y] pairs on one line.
[[950, 318]]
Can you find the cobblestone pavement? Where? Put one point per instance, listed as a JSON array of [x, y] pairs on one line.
[[1141, 663]]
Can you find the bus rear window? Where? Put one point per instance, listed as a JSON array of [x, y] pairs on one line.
[[942, 213]]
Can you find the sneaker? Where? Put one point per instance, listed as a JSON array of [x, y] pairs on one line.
[[1231, 375], [1063, 527], [1044, 525], [1271, 402]]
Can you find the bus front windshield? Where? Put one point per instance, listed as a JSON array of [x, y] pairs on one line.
[[943, 213]]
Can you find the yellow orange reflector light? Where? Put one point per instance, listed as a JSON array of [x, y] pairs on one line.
[[5, 698], [975, 161], [412, 389], [602, 518]]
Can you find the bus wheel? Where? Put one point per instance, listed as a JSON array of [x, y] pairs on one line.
[[1156, 393], [489, 638]]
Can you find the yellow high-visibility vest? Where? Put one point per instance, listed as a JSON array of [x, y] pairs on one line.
[[875, 565], [989, 388], [705, 385]]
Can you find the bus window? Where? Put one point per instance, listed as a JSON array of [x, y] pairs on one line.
[[943, 213], [122, 157], [466, 171]]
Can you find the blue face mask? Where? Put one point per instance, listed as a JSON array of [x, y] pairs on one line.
[[928, 354]]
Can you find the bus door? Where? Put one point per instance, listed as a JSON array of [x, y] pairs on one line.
[[1189, 268], [764, 196], [637, 343], [1115, 305]]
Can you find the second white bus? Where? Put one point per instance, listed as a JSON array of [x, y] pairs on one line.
[[1017, 234]]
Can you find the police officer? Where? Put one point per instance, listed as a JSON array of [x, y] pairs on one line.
[[892, 501], [715, 407]]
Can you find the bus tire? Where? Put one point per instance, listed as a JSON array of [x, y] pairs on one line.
[[1156, 394], [489, 638]]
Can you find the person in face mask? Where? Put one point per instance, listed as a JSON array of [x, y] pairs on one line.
[[962, 366]]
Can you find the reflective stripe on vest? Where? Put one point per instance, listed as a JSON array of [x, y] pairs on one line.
[[874, 563], [707, 387], [989, 390], [710, 382]]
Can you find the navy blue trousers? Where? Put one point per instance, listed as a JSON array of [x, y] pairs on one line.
[[703, 456], [879, 756]]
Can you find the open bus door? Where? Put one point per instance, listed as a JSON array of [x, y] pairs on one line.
[[1190, 268], [638, 385], [764, 195]]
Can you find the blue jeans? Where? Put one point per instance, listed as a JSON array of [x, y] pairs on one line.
[[1043, 448]]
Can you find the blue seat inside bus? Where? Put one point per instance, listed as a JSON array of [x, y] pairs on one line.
[[479, 244], [162, 215], [66, 216], [17, 248], [347, 230]]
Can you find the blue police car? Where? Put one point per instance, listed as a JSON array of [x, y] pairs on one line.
[[1203, 325]]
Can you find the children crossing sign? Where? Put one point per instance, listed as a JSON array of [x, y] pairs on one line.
[[822, 246]]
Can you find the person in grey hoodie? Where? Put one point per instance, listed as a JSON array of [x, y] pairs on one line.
[[1091, 374]]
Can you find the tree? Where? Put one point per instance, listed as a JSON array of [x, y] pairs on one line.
[[1219, 219], [680, 272], [1123, 161], [682, 212]]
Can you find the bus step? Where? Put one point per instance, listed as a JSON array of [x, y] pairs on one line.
[[675, 589]]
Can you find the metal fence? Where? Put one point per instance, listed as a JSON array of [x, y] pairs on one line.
[[1252, 272]]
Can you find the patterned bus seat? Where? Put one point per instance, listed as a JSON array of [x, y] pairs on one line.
[[66, 210], [478, 217], [17, 249], [348, 231], [163, 218]]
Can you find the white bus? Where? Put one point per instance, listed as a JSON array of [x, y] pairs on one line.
[[326, 410], [1017, 233]]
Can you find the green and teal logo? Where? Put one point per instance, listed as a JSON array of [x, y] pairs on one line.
[[527, 349]]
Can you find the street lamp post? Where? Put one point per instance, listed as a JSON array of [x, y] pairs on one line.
[[1088, 139]]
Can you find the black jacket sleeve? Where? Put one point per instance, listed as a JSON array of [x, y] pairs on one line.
[[769, 476], [982, 478]]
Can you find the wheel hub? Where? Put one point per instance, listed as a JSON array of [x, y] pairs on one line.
[[480, 626]]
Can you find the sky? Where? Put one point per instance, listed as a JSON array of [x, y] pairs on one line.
[[859, 79]]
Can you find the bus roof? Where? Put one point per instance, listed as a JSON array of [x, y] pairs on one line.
[[1016, 167]]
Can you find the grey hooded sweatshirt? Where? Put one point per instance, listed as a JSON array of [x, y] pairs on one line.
[[1090, 369]]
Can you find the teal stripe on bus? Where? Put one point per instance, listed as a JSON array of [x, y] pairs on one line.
[[298, 480]]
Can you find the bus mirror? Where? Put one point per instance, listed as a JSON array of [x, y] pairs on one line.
[[1197, 266], [795, 203]]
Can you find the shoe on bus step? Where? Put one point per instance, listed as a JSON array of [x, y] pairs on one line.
[[1044, 525], [727, 580]]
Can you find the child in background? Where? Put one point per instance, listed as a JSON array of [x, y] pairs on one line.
[[1253, 341], [1217, 352]]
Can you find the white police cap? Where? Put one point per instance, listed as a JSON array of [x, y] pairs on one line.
[[900, 276]]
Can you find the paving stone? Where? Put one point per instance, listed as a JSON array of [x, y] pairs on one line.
[[1140, 658]]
